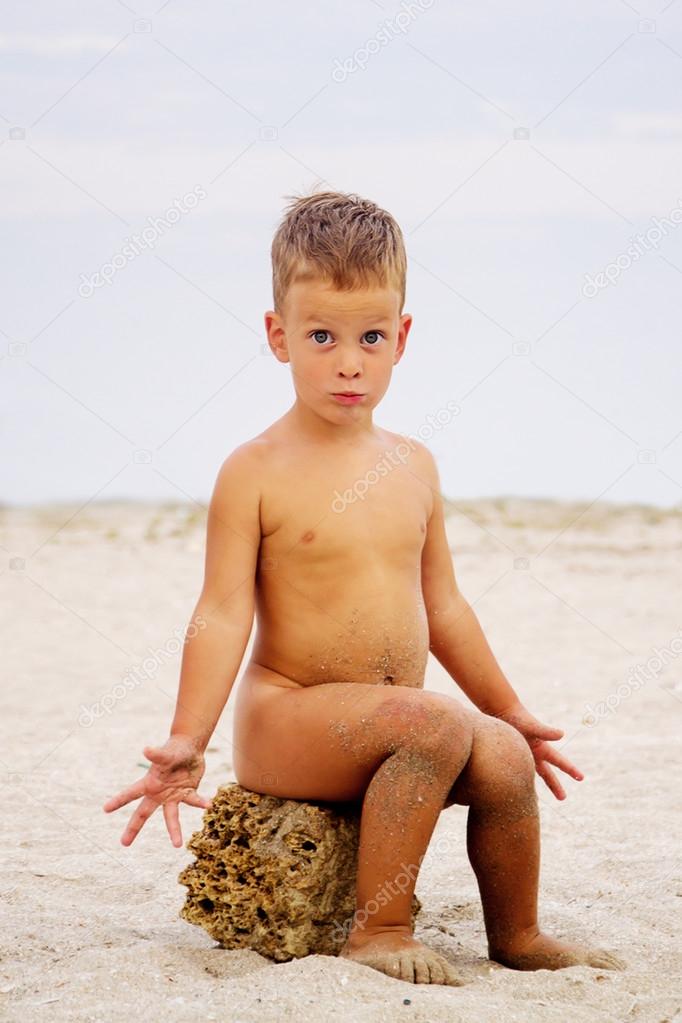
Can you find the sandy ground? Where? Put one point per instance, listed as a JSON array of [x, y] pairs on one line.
[[573, 603]]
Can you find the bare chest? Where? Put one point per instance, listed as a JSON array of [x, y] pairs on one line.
[[361, 512]]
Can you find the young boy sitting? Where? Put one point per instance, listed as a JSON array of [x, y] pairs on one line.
[[351, 594]]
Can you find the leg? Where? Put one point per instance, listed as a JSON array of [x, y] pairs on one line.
[[503, 843], [401, 748], [401, 806]]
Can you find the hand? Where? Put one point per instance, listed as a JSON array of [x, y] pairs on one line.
[[537, 736], [176, 770]]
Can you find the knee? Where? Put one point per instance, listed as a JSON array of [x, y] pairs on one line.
[[432, 726], [448, 737], [509, 766]]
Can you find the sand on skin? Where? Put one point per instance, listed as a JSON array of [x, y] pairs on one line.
[[91, 930]]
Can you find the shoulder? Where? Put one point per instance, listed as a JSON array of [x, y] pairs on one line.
[[254, 453], [242, 468], [420, 458]]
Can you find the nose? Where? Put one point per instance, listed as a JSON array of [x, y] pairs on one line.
[[349, 367]]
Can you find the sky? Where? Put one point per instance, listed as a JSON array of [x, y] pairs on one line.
[[531, 154]]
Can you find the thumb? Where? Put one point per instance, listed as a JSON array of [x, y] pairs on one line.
[[155, 753]]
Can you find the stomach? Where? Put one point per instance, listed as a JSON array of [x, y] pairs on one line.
[[385, 642]]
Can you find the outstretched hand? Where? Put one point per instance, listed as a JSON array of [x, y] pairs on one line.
[[176, 769], [538, 737]]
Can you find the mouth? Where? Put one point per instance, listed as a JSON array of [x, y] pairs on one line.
[[348, 397]]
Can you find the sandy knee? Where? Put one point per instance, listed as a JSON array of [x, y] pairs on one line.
[[428, 724], [501, 768]]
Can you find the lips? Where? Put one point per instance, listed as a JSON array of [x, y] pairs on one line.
[[348, 397]]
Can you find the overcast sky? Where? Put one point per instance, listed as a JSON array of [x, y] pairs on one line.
[[525, 151]]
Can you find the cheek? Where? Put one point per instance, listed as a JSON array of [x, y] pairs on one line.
[[383, 367], [309, 371]]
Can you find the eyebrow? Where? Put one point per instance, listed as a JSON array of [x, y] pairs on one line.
[[321, 316]]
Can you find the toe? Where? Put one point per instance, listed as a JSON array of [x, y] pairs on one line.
[[407, 967], [391, 966], [421, 971], [451, 977], [436, 970]]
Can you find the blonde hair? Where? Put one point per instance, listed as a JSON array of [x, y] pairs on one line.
[[340, 238]]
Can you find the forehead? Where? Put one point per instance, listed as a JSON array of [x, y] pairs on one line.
[[308, 300]]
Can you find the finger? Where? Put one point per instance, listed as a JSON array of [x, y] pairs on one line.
[[548, 732], [551, 780], [138, 819], [125, 796], [194, 799], [172, 817], [560, 761]]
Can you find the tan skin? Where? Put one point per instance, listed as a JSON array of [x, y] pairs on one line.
[[351, 595]]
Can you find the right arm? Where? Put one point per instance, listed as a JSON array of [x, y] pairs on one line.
[[212, 654], [223, 616]]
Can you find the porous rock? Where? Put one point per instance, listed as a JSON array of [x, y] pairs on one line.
[[274, 875]]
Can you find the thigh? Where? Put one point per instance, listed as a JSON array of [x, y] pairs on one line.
[[326, 741]]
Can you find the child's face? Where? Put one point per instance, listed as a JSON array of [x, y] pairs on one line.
[[339, 342]]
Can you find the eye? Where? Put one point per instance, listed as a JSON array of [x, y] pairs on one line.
[[316, 335], [373, 334]]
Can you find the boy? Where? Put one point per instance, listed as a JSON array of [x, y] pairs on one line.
[[351, 595]]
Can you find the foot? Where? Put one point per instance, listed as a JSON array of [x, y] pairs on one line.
[[394, 951], [540, 952]]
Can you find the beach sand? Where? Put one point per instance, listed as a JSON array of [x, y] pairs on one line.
[[573, 601]]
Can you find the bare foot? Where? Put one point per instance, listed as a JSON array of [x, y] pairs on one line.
[[540, 952], [394, 951]]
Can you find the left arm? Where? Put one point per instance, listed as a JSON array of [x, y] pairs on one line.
[[456, 639]]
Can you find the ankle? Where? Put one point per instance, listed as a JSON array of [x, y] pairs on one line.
[[512, 941], [360, 934]]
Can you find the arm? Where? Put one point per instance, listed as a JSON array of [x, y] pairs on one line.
[[213, 654], [457, 641], [455, 635]]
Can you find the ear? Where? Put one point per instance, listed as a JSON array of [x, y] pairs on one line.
[[404, 325], [276, 335]]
